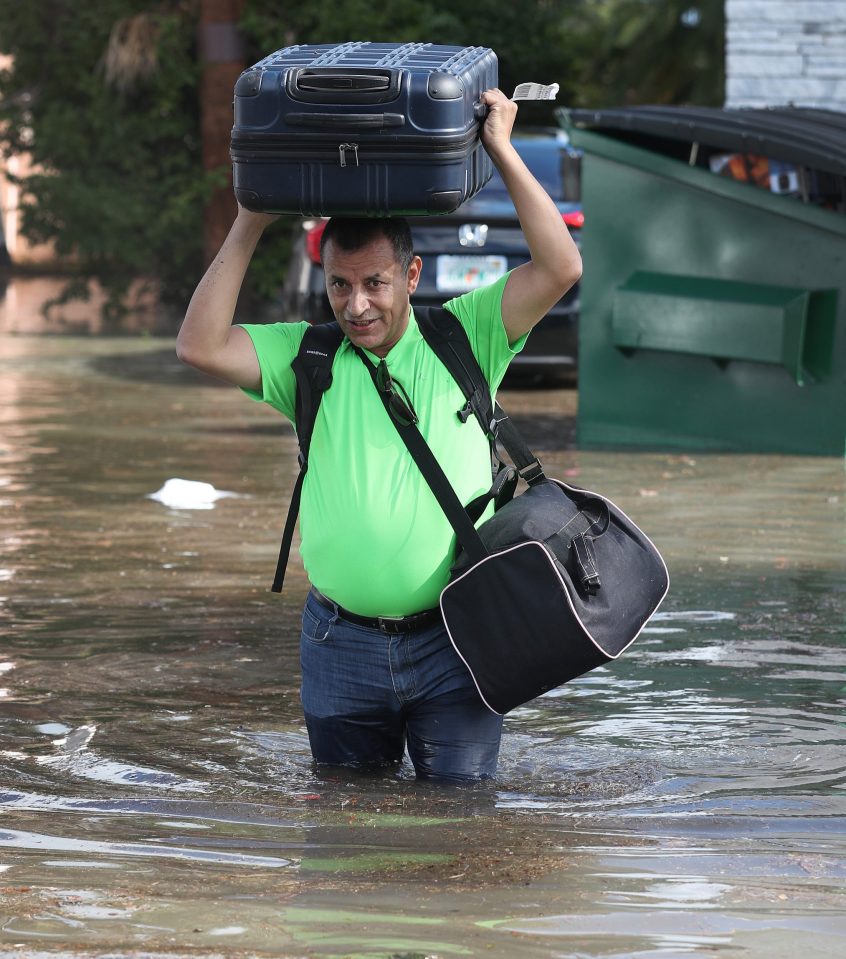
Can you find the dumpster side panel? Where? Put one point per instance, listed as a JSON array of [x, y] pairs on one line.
[[764, 372]]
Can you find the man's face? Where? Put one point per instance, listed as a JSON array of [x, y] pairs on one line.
[[369, 293]]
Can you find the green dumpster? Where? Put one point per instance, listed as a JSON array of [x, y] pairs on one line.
[[713, 310]]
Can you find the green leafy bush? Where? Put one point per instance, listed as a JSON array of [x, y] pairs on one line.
[[120, 186]]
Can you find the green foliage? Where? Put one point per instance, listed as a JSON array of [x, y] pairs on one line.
[[270, 25], [651, 51], [120, 183]]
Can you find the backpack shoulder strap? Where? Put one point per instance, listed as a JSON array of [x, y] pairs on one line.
[[450, 343], [312, 368]]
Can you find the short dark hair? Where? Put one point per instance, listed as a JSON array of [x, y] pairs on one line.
[[352, 233]]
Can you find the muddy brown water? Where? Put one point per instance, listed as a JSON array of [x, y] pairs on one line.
[[156, 791]]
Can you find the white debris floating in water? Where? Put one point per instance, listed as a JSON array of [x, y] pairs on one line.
[[189, 494]]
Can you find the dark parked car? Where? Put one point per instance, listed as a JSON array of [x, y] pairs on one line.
[[469, 248]]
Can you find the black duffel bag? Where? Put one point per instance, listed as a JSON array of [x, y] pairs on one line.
[[567, 584], [557, 582]]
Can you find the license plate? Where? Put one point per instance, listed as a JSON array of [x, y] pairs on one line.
[[458, 274]]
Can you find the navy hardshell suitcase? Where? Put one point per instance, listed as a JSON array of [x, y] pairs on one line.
[[362, 129]]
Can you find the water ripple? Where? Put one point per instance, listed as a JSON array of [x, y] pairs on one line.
[[16, 839]]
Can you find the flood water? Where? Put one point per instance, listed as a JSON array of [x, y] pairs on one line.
[[156, 791]]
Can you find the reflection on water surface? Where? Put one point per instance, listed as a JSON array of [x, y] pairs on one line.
[[156, 790]]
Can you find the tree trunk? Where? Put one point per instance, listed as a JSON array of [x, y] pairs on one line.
[[222, 56]]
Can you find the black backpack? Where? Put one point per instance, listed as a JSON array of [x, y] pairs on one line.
[[448, 340]]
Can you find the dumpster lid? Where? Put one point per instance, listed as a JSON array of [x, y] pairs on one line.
[[809, 136]]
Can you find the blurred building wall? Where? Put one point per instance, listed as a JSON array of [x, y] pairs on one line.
[[786, 51], [18, 249]]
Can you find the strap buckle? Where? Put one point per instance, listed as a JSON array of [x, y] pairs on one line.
[[475, 406], [584, 562], [532, 471]]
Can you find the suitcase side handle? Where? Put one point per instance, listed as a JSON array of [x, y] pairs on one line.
[[371, 121], [339, 85]]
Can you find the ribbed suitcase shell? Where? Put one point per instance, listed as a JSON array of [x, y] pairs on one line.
[[362, 129]]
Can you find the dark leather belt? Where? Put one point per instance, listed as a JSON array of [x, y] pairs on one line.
[[386, 624]]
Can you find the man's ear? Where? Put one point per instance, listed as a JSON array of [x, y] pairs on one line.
[[414, 274]]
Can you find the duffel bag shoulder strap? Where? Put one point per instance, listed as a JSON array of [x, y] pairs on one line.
[[449, 341], [312, 368], [458, 517]]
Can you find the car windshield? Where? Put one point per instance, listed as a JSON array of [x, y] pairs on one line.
[[543, 158]]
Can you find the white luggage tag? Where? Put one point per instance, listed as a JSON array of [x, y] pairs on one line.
[[535, 91], [523, 91]]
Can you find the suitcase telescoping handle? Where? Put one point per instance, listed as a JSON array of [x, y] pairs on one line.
[[346, 121]]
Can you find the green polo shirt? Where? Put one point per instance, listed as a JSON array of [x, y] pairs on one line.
[[373, 536]]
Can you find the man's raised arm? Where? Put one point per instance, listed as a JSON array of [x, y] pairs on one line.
[[535, 287], [207, 339]]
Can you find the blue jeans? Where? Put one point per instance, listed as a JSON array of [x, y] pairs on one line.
[[368, 694]]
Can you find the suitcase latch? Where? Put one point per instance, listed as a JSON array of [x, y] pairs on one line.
[[342, 150]]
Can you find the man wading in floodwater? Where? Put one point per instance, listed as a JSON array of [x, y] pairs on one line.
[[375, 542]]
